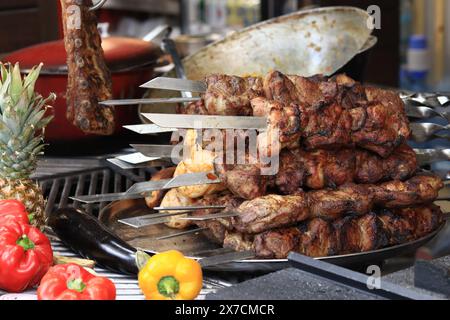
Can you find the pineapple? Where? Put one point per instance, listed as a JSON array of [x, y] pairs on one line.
[[22, 124]]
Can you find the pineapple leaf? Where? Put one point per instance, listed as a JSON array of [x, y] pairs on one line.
[[12, 125], [30, 80], [33, 144], [36, 117], [44, 122], [16, 87], [37, 113], [4, 148], [38, 150], [3, 72], [27, 133], [5, 87]]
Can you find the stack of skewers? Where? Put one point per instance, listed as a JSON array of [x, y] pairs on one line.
[[347, 181]]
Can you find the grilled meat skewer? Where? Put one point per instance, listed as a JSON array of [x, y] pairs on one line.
[[317, 170], [319, 238], [277, 211], [274, 211], [325, 113]]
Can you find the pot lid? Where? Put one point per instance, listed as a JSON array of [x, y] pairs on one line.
[[121, 54]]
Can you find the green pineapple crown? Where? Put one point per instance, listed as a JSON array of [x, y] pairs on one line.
[[22, 121]]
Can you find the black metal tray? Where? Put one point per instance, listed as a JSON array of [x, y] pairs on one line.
[[144, 239]]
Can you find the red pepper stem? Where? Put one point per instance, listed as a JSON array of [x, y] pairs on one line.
[[76, 284], [25, 243]]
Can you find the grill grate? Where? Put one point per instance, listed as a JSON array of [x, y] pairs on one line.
[[73, 178]]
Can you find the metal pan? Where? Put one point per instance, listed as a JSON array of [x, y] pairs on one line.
[[144, 239], [308, 42]]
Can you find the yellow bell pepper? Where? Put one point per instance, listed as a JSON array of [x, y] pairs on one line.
[[170, 276]]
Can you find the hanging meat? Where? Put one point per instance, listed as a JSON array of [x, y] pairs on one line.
[[89, 80]]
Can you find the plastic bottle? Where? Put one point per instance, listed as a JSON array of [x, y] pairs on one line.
[[418, 63]]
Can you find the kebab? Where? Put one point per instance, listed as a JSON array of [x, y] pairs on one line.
[[317, 170], [352, 234], [324, 113], [275, 211], [319, 237], [297, 169]]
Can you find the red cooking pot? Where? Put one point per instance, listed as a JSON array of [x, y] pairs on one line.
[[130, 60]]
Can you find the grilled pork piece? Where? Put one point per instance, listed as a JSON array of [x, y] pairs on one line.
[[422, 223], [197, 107], [238, 241], [270, 212], [318, 238], [275, 211], [244, 181], [417, 190], [352, 234], [400, 227], [386, 124], [89, 79], [315, 169], [230, 95], [284, 120], [360, 234], [400, 165], [217, 227], [274, 244]]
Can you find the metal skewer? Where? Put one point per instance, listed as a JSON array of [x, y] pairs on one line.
[[130, 102], [153, 219], [190, 208], [412, 109], [158, 150], [148, 128], [211, 216], [140, 189], [179, 234], [149, 219]]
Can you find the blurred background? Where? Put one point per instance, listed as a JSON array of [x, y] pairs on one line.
[[413, 47]]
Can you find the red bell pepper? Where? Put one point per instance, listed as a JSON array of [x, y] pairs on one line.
[[73, 282], [13, 210], [25, 256]]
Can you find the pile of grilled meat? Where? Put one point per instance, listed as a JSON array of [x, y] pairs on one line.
[[347, 180]]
